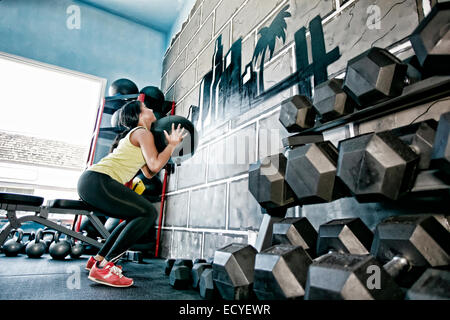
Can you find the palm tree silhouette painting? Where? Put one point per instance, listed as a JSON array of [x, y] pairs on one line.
[[267, 41]]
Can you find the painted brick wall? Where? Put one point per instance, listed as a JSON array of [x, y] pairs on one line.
[[208, 203]]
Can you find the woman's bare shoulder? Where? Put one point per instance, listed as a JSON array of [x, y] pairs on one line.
[[139, 135]]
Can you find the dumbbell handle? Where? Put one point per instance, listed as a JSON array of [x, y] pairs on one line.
[[396, 265]]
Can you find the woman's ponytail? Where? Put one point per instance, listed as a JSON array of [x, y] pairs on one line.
[[119, 137], [128, 119]]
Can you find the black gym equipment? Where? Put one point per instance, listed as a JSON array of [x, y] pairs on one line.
[[375, 166], [88, 227], [13, 246], [343, 276], [384, 165], [122, 87], [430, 40], [48, 236], [414, 71], [186, 148], [295, 232], [199, 260], [331, 101], [420, 138], [267, 183], [149, 188], [115, 119], [196, 272], [208, 289], [39, 213], [281, 270], [440, 157], [60, 248], [433, 284], [233, 270], [297, 113], [348, 235], [409, 244], [311, 173], [37, 247], [180, 274], [154, 99], [374, 76], [168, 266], [405, 244], [76, 249], [27, 238], [265, 232]]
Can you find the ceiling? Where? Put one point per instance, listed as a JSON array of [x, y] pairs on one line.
[[156, 14]]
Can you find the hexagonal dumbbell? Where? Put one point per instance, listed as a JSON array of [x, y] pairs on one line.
[[414, 71], [403, 242], [430, 40], [208, 289], [384, 165], [331, 101], [343, 276], [198, 260], [197, 271], [420, 137], [168, 266], [349, 235], [296, 232], [180, 275], [281, 270], [233, 271], [374, 76], [377, 166], [265, 232], [440, 157], [266, 182], [311, 173], [411, 243], [297, 113], [433, 284]]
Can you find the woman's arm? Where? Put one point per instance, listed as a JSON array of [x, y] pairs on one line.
[[147, 172], [156, 161]]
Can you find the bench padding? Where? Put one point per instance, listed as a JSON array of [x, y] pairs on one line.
[[69, 204], [23, 199]]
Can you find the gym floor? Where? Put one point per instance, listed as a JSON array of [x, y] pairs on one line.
[[22, 278]]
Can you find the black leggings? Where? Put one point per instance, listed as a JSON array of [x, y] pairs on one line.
[[115, 200]]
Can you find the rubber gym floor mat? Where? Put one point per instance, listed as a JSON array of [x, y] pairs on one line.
[[22, 278]]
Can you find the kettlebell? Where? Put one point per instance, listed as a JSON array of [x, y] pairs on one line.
[[36, 248], [59, 249], [29, 236], [77, 249], [13, 246], [48, 236]]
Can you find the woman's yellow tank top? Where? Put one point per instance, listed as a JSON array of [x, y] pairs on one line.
[[124, 162]]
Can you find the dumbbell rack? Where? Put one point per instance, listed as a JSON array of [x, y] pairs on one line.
[[428, 90]]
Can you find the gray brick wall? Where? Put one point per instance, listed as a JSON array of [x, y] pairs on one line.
[[208, 195]]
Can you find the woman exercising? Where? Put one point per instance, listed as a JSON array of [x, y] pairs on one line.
[[102, 187]]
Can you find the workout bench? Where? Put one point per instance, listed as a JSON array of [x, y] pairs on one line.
[[12, 203]]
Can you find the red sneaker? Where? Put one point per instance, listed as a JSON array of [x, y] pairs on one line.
[[92, 261], [109, 275]]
